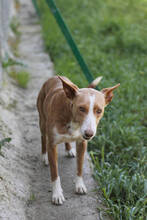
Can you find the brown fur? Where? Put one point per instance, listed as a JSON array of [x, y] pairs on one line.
[[59, 102], [81, 148], [67, 146]]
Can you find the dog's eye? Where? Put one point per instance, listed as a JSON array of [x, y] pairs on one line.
[[98, 111], [82, 109]]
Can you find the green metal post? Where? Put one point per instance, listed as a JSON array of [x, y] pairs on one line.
[[36, 7], [69, 39]]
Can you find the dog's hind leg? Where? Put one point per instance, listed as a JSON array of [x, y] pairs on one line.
[[43, 142], [71, 152], [44, 151]]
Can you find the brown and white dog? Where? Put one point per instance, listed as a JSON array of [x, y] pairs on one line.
[[69, 114]]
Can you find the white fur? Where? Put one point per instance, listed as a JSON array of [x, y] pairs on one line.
[[45, 159], [80, 186], [57, 196], [72, 135], [71, 152], [74, 131], [97, 80], [90, 120]]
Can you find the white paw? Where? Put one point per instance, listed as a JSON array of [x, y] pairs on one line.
[[71, 152], [57, 196], [45, 159], [80, 186]]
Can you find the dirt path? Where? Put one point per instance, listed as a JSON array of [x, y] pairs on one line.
[[25, 182]]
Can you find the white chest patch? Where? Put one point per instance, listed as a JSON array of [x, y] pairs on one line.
[[90, 119], [72, 135]]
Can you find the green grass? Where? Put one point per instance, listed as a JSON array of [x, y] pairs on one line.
[[111, 35], [14, 25], [8, 61], [2, 143], [31, 199], [22, 78]]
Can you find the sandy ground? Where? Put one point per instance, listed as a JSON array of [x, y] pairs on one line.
[[25, 187]]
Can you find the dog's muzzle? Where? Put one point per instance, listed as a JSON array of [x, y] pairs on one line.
[[88, 134]]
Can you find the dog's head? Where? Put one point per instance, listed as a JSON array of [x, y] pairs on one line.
[[87, 105]]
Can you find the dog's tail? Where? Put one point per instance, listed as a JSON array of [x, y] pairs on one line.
[[95, 82]]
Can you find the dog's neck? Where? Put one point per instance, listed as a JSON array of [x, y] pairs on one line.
[[65, 119], [66, 129]]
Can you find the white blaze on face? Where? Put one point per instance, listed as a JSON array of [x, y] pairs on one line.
[[90, 121]]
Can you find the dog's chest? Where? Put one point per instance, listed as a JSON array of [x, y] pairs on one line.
[[73, 133]]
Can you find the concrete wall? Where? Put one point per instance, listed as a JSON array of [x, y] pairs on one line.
[[6, 13]]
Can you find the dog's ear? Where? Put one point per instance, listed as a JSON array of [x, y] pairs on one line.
[[70, 89], [108, 93], [95, 82]]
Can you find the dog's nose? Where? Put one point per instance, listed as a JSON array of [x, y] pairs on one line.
[[88, 134]]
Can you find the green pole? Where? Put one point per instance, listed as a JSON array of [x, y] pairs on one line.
[[55, 11], [36, 7]]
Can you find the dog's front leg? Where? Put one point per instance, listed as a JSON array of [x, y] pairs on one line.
[[57, 192], [80, 148]]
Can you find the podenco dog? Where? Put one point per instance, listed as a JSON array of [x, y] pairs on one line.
[[69, 114]]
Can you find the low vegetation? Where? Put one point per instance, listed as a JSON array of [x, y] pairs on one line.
[[2, 143], [21, 77], [14, 25], [111, 35]]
